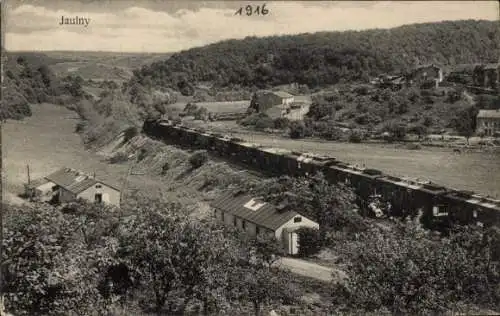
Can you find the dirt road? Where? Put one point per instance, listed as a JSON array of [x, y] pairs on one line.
[[311, 270]]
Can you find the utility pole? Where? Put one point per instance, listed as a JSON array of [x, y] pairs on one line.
[[29, 178], [2, 308], [124, 185]]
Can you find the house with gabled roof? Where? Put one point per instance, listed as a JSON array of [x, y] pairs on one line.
[[273, 103], [488, 121], [258, 217], [67, 184]]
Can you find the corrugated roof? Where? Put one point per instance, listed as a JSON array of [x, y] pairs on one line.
[[489, 114], [73, 180], [266, 216]]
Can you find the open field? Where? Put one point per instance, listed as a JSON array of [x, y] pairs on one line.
[[46, 142], [227, 106], [94, 71], [91, 65]]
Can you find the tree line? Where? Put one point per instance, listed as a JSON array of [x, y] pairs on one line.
[[324, 58], [28, 82]]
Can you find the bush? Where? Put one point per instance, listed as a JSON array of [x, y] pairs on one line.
[[355, 137], [264, 122], [198, 159], [297, 130], [309, 240], [142, 154], [118, 158], [201, 114], [165, 168], [130, 133], [281, 123]]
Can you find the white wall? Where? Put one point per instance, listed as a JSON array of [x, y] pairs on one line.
[[250, 228], [305, 222], [109, 195], [290, 240]]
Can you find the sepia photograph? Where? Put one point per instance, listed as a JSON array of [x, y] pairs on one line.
[[250, 158]]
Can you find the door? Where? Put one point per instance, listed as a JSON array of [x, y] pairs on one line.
[[98, 198]]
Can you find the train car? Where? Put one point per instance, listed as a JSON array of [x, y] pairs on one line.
[[274, 159], [406, 196]]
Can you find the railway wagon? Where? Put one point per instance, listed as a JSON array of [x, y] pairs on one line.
[[407, 197]]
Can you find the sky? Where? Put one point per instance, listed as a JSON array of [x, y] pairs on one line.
[[170, 26]]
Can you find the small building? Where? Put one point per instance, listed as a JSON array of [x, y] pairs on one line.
[[462, 73], [487, 75], [262, 101], [426, 74], [488, 121], [255, 217], [66, 185]]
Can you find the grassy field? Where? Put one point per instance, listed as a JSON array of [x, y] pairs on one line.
[[46, 142], [92, 70]]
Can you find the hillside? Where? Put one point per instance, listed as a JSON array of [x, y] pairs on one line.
[[326, 58], [28, 80]]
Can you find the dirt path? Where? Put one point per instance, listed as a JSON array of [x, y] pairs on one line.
[[312, 270]]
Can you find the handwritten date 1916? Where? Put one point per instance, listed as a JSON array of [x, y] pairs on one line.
[[253, 10]]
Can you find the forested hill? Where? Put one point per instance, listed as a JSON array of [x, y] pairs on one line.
[[28, 80], [326, 57]]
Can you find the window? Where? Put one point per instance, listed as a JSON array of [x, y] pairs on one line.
[[297, 219], [98, 186], [257, 230], [235, 222], [222, 216], [243, 224], [98, 198]]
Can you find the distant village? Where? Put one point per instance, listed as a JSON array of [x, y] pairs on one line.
[[476, 78]]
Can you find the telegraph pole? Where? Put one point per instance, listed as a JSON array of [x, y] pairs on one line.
[[2, 309], [124, 185]]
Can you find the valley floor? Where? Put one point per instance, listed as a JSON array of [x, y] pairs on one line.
[[47, 141]]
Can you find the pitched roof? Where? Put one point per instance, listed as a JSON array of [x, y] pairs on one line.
[[73, 180], [283, 94], [489, 114], [266, 215], [427, 66], [491, 66]]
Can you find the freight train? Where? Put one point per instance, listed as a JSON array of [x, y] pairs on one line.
[[406, 197]]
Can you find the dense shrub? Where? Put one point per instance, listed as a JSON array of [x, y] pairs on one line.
[[264, 122], [198, 159], [119, 157], [309, 241], [297, 130], [281, 123], [165, 168], [130, 133], [355, 137]]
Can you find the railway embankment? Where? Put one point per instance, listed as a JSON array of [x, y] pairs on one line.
[[407, 196]]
